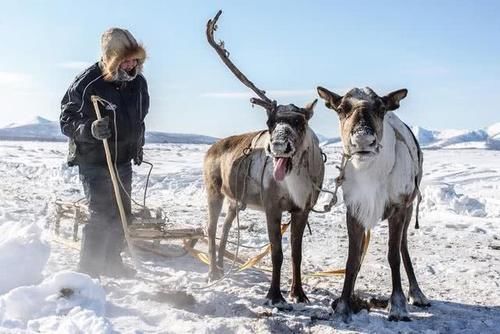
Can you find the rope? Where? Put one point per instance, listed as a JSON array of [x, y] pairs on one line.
[[96, 100], [338, 182], [147, 180]]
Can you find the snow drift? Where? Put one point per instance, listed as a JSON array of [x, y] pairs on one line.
[[23, 255], [66, 302], [443, 196]]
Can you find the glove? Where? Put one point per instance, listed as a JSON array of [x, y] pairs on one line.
[[138, 158], [100, 128]]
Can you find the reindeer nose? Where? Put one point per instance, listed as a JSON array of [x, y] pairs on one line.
[[363, 140], [279, 146]]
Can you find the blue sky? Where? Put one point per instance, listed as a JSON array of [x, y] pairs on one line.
[[447, 53]]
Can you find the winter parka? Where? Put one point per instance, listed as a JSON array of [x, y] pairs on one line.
[[127, 108]]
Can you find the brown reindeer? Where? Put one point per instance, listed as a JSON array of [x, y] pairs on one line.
[[274, 171], [381, 181]]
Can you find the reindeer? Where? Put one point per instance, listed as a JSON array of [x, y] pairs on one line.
[[381, 180], [276, 170]]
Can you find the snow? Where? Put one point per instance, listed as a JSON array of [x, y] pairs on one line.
[[66, 302], [23, 252], [437, 197], [494, 131], [455, 254]]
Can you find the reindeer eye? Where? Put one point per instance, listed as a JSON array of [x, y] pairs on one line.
[[271, 123], [297, 122]]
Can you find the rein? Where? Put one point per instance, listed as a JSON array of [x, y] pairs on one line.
[[338, 182]]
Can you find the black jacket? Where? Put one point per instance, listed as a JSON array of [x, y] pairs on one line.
[[130, 100]]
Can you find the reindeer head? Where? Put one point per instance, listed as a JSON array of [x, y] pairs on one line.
[[287, 125], [361, 113]]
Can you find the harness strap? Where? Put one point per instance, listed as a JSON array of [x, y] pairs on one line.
[[418, 177]]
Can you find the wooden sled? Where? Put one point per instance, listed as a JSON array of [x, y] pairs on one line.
[[147, 229]]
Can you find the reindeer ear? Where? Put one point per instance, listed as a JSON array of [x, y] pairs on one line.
[[332, 100], [391, 100], [309, 108]]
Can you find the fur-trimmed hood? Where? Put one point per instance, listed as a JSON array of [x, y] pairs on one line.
[[116, 45]]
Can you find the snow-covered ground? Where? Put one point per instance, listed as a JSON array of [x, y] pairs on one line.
[[456, 254]]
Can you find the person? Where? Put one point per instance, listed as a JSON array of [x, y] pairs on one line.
[[118, 80]]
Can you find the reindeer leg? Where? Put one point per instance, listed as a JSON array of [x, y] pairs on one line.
[[398, 307], [298, 224], [274, 296], [415, 295], [231, 214], [356, 232], [215, 201]]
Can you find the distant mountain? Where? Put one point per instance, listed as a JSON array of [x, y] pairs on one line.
[[493, 141], [323, 140], [38, 128], [488, 138], [41, 129], [178, 138]]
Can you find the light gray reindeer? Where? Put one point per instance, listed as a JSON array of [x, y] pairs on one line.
[[274, 171], [381, 180]]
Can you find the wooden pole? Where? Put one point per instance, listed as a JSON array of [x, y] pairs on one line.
[[114, 180]]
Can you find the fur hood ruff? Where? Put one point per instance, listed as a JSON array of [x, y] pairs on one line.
[[116, 45]]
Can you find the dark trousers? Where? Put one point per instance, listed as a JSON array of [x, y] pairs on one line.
[[103, 236]]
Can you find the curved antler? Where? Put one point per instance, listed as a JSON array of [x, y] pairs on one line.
[[263, 100]]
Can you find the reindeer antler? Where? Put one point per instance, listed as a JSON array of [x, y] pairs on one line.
[[263, 100]]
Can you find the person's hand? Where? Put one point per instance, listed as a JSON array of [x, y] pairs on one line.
[[100, 128]]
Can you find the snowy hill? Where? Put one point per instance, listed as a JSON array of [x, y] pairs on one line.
[[493, 132], [435, 139], [41, 129], [488, 138], [37, 129], [177, 138]]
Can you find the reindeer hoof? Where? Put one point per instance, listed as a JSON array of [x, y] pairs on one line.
[[299, 297], [397, 308], [277, 300], [215, 275], [280, 305], [399, 318], [419, 304], [343, 311], [302, 299], [417, 298]]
